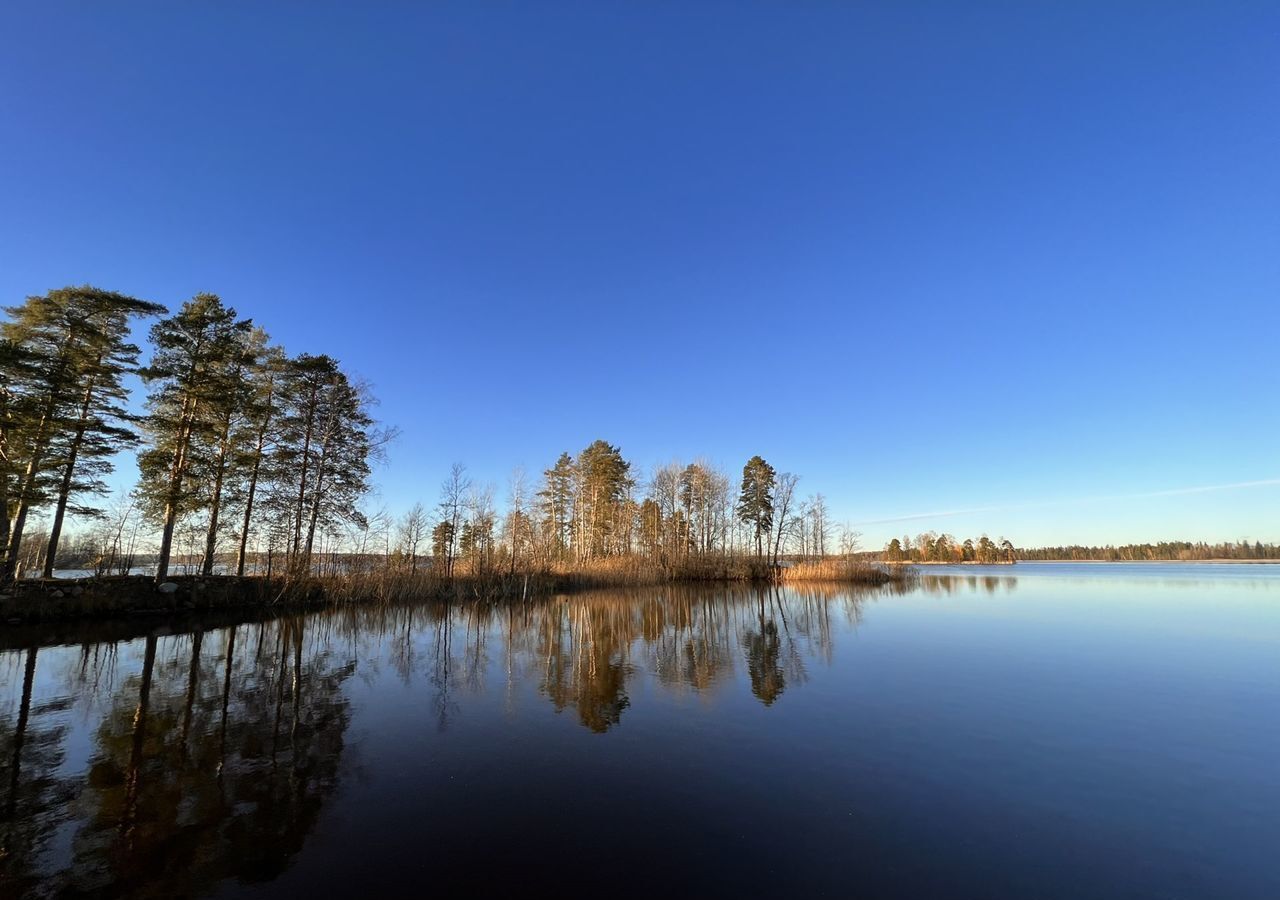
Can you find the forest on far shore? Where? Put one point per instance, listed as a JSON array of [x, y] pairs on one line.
[[1171, 551], [931, 547]]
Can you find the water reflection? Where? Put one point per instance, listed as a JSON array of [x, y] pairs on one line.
[[212, 753], [583, 651], [32, 744], [951, 584], [211, 759], [144, 763]]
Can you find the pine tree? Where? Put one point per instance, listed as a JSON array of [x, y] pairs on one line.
[[194, 351], [16, 370], [755, 504], [986, 550], [258, 432], [442, 538], [323, 455], [604, 484], [556, 500], [228, 412], [68, 352]]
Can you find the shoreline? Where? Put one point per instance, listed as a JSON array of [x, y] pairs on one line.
[[120, 597], [139, 597]]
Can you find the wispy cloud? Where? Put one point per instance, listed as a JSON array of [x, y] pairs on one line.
[[1076, 501]]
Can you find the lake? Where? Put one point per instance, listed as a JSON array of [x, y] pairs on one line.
[[1043, 730]]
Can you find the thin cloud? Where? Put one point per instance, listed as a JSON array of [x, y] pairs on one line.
[[1043, 504]]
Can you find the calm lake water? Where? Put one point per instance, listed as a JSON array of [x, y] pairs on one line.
[[1037, 731]]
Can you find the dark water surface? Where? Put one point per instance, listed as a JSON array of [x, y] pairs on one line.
[[1038, 731]]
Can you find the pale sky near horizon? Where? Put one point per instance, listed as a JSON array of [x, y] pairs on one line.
[[972, 268]]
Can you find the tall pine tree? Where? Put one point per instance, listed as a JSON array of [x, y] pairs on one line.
[[327, 441], [194, 350], [755, 504], [68, 352]]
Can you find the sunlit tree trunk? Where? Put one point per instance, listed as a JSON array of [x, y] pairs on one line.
[[173, 492], [26, 492], [215, 499], [302, 480], [68, 475]]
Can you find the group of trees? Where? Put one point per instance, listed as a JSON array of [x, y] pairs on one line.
[[237, 439], [945, 548], [63, 360], [593, 507], [249, 457], [1163, 550]]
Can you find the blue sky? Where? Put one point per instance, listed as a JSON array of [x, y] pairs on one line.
[[932, 257]]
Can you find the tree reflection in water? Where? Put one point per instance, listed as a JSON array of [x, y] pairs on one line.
[[215, 752], [193, 778]]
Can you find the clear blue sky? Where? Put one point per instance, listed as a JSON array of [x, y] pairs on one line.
[[930, 256]]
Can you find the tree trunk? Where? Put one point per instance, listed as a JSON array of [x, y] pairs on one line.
[[215, 502], [302, 483], [176, 473], [4, 476], [315, 509], [38, 444], [64, 492], [4, 506], [68, 473], [248, 512]]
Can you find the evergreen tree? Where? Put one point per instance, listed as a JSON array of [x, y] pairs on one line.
[[15, 370], [651, 527], [258, 432], [604, 483], [442, 537], [326, 445], [755, 503], [228, 411], [194, 351], [556, 501], [986, 550], [66, 355]]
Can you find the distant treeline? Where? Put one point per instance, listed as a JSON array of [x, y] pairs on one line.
[[1164, 550], [931, 547]]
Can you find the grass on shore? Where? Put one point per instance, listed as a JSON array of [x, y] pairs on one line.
[[612, 572], [851, 571]]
